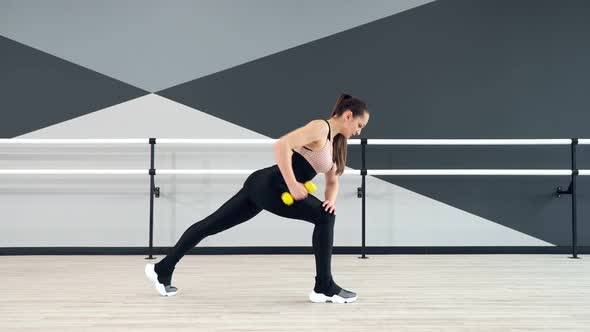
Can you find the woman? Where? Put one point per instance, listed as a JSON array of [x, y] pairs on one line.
[[318, 147]]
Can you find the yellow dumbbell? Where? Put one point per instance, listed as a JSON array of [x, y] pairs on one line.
[[288, 199]]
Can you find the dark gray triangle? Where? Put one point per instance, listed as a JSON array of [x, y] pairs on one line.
[[39, 90], [448, 69]]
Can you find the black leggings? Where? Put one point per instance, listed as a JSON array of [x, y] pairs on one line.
[[262, 190]]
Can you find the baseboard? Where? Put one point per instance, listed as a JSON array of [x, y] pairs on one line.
[[564, 250]]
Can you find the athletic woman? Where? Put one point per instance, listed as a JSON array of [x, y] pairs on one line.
[[318, 147]]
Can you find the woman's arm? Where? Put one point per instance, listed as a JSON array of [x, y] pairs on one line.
[[313, 131], [331, 185], [331, 190]]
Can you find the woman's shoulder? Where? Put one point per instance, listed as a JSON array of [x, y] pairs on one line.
[[319, 125]]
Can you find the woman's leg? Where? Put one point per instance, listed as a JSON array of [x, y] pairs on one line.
[[235, 211], [311, 210]]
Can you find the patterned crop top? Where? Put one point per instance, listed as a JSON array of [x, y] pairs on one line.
[[320, 160]]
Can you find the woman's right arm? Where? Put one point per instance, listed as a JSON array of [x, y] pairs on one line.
[[313, 131]]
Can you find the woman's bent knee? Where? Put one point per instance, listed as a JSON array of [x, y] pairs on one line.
[[327, 217]]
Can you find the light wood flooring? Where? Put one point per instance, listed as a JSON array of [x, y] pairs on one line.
[[269, 293]]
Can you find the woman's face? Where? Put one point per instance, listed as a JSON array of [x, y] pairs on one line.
[[354, 125]]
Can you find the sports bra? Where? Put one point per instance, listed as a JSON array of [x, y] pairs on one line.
[[320, 160]]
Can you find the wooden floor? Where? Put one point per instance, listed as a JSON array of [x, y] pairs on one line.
[[269, 293]]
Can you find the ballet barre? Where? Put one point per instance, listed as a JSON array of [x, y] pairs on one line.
[[154, 191]]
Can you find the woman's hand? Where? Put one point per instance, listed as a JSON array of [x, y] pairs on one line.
[[298, 191], [329, 207]]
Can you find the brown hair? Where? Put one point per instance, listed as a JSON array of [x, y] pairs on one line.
[[358, 108]]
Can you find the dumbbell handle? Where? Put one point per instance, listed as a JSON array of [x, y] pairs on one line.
[[288, 198]]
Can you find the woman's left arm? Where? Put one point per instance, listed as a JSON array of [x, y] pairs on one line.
[[331, 191]]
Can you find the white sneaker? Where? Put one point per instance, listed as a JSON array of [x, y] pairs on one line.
[[164, 290], [343, 296]]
